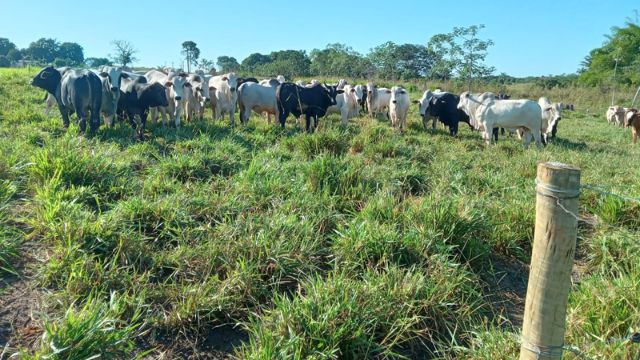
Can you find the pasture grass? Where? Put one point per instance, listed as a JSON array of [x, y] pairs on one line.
[[347, 243]]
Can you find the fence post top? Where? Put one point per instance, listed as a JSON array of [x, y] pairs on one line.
[[553, 165]]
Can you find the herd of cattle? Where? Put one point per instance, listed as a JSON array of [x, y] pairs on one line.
[[117, 93], [626, 117]]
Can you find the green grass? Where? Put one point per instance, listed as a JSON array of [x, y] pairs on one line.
[[348, 243]]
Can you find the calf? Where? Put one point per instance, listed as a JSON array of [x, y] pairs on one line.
[[510, 114], [312, 102], [632, 120], [224, 95], [259, 98], [136, 97], [398, 107], [78, 91]]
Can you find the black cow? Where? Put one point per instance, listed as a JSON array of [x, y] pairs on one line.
[[363, 102], [445, 109], [78, 91], [312, 102], [136, 99], [244, 80]]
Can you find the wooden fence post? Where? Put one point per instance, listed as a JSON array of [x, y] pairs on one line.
[[554, 244]]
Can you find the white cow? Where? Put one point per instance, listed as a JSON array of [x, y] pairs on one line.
[[197, 96], [551, 114], [174, 84], [350, 106], [616, 114], [341, 84], [224, 95], [399, 107], [509, 114], [259, 98], [111, 78], [377, 100], [281, 79]]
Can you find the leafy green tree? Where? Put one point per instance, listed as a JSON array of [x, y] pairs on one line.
[[340, 60], [124, 52], [191, 53], [43, 50], [4, 62], [253, 62], [624, 45], [6, 46], [206, 65], [71, 51], [14, 55], [406, 61], [227, 64]]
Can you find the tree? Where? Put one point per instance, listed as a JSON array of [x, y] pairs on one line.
[[71, 51], [4, 62], [43, 50], [14, 55], [339, 60], [623, 44], [253, 62], [97, 62], [290, 63], [227, 64], [206, 65], [460, 52], [406, 61], [191, 53], [6, 46], [124, 52]]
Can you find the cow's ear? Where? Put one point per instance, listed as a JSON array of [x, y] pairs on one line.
[[168, 84], [224, 78], [124, 75], [212, 88], [104, 74], [339, 91], [402, 92], [187, 84], [548, 109]]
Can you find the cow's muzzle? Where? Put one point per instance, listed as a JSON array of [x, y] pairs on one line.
[[394, 101], [114, 88], [178, 98]]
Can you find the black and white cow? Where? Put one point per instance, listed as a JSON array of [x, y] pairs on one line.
[[136, 97], [78, 91], [312, 102]]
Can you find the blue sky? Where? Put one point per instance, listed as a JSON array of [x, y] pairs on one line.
[[531, 37]]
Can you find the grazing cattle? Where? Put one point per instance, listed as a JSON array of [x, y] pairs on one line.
[[377, 100], [443, 106], [174, 84], [398, 107], [224, 95], [136, 97], [111, 78], [78, 91], [551, 114], [259, 98], [312, 102], [509, 114], [632, 120], [615, 114], [196, 96], [423, 105]]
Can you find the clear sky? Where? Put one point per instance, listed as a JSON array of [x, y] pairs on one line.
[[532, 37]]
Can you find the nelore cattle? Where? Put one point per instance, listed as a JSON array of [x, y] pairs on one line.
[[258, 98], [444, 107], [615, 114], [78, 91], [377, 100], [242, 80], [174, 83], [223, 90], [509, 114], [312, 102], [136, 98], [551, 115], [362, 89], [196, 96], [398, 107], [111, 77]]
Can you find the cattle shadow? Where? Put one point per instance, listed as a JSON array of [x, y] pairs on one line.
[[568, 144]]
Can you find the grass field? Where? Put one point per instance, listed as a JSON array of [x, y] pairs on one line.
[[261, 243]]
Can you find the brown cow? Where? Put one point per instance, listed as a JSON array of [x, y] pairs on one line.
[[632, 120]]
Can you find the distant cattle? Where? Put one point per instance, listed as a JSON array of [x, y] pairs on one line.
[[377, 100], [632, 120], [136, 98], [258, 98], [398, 107], [78, 91], [224, 95], [424, 104], [174, 83], [444, 107], [615, 114], [312, 102], [510, 114]]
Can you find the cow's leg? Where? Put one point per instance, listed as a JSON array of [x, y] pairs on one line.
[[94, 121], [536, 135], [634, 134], [344, 116], [282, 117], [143, 123], [82, 119], [554, 130], [453, 129], [495, 133]]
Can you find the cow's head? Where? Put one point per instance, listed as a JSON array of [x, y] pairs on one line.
[[465, 99], [341, 84], [630, 115], [47, 79], [114, 75], [176, 83], [330, 93], [360, 92], [397, 92], [553, 113], [424, 102], [232, 80]]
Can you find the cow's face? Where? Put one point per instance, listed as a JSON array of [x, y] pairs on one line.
[[553, 113], [232, 80], [465, 99], [424, 102], [153, 95], [113, 75], [330, 93], [47, 79], [359, 92], [177, 84], [397, 93], [341, 83]]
